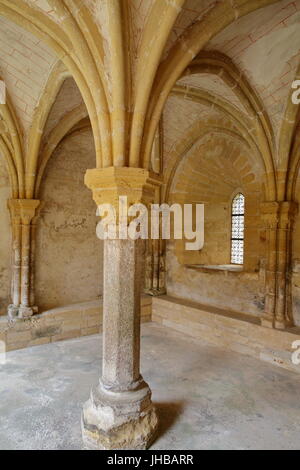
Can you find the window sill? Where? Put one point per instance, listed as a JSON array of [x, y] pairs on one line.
[[233, 268]]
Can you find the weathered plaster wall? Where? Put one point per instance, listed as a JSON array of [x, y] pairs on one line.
[[5, 240], [69, 255]]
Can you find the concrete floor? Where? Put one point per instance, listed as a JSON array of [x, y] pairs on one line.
[[207, 398]]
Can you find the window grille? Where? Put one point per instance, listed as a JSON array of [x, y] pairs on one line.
[[237, 229]]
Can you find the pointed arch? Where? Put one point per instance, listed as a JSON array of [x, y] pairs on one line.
[[256, 122], [192, 138], [62, 128], [13, 176], [164, 14], [184, 50], [53, 86], [234, 122], [294, 168], [12, 147], [288, 151]]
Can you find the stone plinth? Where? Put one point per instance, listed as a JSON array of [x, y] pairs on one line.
[[119, 420]]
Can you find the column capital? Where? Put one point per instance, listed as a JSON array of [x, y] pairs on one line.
[[108, 184], [23, 210]]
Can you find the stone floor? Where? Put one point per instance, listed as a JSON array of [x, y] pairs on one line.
[[207, 398]]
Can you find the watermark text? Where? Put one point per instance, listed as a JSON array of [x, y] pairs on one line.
[[139, 222], [296, 94]]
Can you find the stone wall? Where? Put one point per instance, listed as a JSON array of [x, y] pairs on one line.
[[237, 291], [69, 255], [5, 240]]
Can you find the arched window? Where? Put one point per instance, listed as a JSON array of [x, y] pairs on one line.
[[237, 229]]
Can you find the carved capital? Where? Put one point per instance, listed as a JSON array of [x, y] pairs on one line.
[[108, 184], [23, 210]]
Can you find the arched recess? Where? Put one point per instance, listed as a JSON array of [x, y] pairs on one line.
[[230, 121], [295, 268], [5, 235], [214, 167], [211, 169], [68, 253]]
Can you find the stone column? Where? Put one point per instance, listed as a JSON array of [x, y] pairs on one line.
[[32, 261], [287, 213], [16, 227], [270, 215], [155, 255], [22, 212], [120, 414], [155, 269]]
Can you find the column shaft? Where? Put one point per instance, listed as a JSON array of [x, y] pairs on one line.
[[25, 271], [285, 227], [23, 212], [270, 216], [32, 263], [16, 262], [121, 307]]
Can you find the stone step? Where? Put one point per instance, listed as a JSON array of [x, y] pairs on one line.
[[230, 330]]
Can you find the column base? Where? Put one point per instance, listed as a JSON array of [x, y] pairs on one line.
[[25, 312], [12, 312], [119, 420], [280, 324], [267, 321], [20, 313]]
